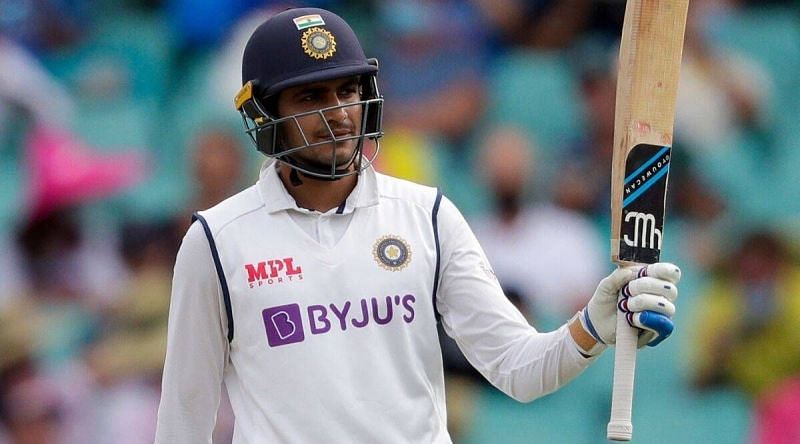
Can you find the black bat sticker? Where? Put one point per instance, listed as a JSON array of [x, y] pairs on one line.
[[644, 198]]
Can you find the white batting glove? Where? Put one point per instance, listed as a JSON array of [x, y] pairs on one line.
[[649, 293]]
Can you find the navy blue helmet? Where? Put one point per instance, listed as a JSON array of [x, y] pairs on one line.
[[296, 47]]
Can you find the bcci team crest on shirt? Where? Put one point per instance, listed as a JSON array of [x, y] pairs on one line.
[[318, 43], [392, 253]]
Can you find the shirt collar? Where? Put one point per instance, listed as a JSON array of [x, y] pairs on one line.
[[277, 198]]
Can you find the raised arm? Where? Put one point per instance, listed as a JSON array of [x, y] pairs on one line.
[[493, 335]]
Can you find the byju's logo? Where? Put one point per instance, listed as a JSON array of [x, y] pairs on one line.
[[284, 325], [273, 271]]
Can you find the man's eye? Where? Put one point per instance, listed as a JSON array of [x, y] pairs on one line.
[[349, 91]]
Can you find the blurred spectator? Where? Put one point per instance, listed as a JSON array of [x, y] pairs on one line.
[[698, 211], [721, 93], [777, 413], [31, 409], [11, 280], [557, 25], [217, 166], [432, 55], [45, 24], [746, 332], [584, 183], [199, 24], [63, 262], [127, 358], [505, 17], [133, 339], [529, 245], [540, 24], [26, 86]]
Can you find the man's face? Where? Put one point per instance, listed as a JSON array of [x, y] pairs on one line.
[[344, 121]]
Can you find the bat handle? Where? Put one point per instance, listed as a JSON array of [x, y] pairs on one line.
[[620, 427]]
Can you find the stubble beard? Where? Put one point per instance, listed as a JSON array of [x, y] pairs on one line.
[[322, 157]]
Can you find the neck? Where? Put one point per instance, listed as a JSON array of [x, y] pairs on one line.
[[318, 195]]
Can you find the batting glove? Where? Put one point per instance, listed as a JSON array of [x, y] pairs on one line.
[[648, 296]]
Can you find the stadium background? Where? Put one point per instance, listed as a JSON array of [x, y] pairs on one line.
[[116, 120]]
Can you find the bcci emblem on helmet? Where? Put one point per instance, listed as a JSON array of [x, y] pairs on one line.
[[318, 43], [392, 253]]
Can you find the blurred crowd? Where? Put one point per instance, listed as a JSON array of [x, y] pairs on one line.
[[117, 122]]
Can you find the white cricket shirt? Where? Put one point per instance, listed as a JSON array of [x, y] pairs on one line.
[[323, 326]]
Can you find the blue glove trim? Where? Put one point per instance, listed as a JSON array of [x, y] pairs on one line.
[[659, 323], [590, 326]]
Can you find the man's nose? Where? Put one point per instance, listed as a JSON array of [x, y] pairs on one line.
[[338, 113]]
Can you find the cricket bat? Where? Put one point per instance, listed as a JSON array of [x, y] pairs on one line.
[[647, 85]]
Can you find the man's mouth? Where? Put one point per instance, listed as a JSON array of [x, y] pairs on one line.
[[337, 134], [342, 133]]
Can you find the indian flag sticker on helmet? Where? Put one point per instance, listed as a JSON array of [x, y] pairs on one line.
[[318, 43], [308, 21]]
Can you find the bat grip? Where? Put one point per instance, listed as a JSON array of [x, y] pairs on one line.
[[620, 427]]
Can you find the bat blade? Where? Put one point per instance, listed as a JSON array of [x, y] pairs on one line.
[[647, 83]]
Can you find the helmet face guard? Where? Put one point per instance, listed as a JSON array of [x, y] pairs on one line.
[[265, 128]]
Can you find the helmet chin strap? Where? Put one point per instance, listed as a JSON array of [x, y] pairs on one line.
[[294, 178], [295, 173]]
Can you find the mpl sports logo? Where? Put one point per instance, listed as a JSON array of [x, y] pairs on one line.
[[273, 271], [288, 324]]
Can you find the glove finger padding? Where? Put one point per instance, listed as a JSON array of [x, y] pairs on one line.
[[651, 302], [654, 286], [647, 302], [655, 327], [662, 270]]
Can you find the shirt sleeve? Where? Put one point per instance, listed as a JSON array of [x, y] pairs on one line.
[[197, 346], [493, 335]]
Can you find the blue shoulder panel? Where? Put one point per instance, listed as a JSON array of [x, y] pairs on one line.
[[435, 222], [223, 283]]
